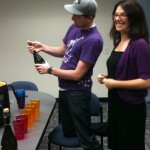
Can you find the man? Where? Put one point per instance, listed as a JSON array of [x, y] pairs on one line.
[[80, 50]]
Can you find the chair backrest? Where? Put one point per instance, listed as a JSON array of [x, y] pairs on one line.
[[27, 85], [95, 105]]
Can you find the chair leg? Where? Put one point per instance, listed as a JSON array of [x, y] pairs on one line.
[[60, 147], [102, 142], [49, 145], [101, 119]]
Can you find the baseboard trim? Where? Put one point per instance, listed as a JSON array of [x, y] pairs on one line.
[[101, 99]]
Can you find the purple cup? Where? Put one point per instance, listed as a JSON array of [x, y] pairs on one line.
[[20, 93]]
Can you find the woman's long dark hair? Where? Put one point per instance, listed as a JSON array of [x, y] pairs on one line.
[[136, 18]]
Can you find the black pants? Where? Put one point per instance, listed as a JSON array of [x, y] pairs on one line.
[[126, 124], [74, 110]]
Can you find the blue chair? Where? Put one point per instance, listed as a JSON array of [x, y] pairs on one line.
[[27, 85], [57, 137]]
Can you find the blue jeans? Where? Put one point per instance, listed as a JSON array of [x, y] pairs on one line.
[[74, 111]]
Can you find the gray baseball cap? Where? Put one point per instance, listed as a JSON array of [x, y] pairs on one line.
[[82, 7]]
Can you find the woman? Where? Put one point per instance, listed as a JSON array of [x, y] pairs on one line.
[[128, 77]]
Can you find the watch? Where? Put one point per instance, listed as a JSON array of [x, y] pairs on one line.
[[49, 70]]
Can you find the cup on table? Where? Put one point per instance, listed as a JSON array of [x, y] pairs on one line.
[[20, 93], [18, 126], [33, 111], [23, 117], [28, 113], [37, 103]]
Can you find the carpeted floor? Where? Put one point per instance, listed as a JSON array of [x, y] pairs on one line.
[[53, 122]]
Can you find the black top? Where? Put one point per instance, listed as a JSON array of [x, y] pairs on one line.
[[112, 63]]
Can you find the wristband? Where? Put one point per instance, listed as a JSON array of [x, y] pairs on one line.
[[49, 70]]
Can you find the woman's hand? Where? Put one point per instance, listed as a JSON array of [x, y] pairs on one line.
[[101, 78], [109, 83]]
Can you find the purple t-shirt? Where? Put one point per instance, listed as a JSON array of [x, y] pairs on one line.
[[83, 45], [134, 63]]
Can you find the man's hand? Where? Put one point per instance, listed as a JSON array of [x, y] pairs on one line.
[[42, 68], [34, 46]]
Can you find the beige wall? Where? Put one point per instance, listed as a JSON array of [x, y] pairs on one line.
[[45, 21], [145, 4]]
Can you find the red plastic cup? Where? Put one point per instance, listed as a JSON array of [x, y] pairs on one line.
[[25, 119], [19, 129]]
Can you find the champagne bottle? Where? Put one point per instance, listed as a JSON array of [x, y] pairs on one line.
[[8, 141], [1, 111], [37, 58]]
